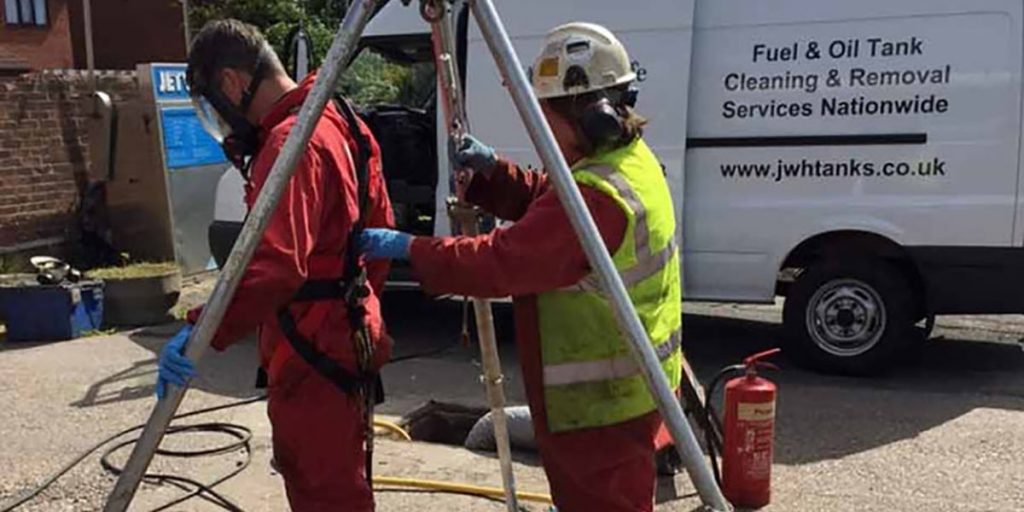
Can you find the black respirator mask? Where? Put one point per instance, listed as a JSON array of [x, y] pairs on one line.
[[227, 124]]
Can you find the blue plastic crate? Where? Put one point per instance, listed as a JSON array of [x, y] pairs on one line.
[[52, 313]]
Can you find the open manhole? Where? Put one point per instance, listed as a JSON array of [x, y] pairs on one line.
[[469, 427], [440, 422], [447, 423]]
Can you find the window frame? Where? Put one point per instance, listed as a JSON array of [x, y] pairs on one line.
[[31, 19]]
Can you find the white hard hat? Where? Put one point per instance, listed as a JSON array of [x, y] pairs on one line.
[[579, 58]]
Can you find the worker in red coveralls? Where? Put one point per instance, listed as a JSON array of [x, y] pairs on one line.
[[595, 421], [294, 285]]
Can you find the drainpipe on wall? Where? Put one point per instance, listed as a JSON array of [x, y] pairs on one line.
[[188, 29], [90, 59], [102, 132]]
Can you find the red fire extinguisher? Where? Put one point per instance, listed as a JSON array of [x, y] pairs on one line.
[[748, 435]]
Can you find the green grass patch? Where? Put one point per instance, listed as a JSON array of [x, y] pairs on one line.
[[17, 280], [92, 333], [133, 271]]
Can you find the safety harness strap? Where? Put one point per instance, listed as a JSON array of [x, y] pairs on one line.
[[355, 271], [316, 290], [327, 367], [351, 287]]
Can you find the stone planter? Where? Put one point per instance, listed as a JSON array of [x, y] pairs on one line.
[[145, 300]]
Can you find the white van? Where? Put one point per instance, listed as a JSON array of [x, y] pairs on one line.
[[860, 159]]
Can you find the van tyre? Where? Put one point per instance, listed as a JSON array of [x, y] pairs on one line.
[[854, 318]]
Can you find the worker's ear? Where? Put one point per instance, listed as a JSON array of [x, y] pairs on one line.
[[234, 83]]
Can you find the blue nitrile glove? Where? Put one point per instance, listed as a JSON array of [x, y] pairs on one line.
[[173, 366], [385, 244], [476, 155]]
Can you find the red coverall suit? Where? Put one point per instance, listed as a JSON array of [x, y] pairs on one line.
[[606, 469], [317, 429]]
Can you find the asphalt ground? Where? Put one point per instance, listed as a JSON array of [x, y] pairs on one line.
[[944, 433]]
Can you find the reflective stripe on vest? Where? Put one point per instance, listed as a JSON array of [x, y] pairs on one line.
[[590, 378], [647, 264], [645, 268], [605, 369]]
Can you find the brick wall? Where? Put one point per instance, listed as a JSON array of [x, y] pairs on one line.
[[44, 151], [38, 47]]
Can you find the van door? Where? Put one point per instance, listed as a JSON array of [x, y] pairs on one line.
[[898, 119]]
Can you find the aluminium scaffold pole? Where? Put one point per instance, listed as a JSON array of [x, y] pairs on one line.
[[439, 14], [337, 59], [526, 103], [600, 261]]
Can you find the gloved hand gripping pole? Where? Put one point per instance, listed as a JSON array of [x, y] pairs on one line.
[[439, 14], [337, 60], [543, 138]]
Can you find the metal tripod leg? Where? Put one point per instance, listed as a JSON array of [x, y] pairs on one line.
[[695, 405], [337, 59], [438, 13], [643, 352]]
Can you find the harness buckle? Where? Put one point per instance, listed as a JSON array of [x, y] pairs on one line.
[[356, 290]]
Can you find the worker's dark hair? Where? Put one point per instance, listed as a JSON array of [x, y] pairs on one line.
[[223, 44], [573, 107]]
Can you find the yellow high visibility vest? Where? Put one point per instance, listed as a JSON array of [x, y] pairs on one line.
[[590, 378]]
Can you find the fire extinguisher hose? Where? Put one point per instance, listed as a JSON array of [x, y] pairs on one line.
[[713, 432]]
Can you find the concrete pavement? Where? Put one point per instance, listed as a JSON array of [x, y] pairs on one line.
[[944, 434]]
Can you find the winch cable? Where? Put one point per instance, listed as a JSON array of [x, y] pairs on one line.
[[242, 437]]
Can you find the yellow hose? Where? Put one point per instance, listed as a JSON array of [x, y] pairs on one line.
[[392, 427], [436, 485]]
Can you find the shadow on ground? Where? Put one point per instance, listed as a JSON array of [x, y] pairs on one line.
[[823, 417], [421, 325], [13, 346], [422, 328], [230, 373], [820, 417]]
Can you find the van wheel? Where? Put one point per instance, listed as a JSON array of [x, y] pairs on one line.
[[854, 318]]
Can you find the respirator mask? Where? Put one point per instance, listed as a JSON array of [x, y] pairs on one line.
[[227, 124]]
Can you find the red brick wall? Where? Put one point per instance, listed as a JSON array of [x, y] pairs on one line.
[[39, 47], [44, 150]]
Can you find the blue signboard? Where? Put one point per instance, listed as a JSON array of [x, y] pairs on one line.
[[186, 143], [169, 82]]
